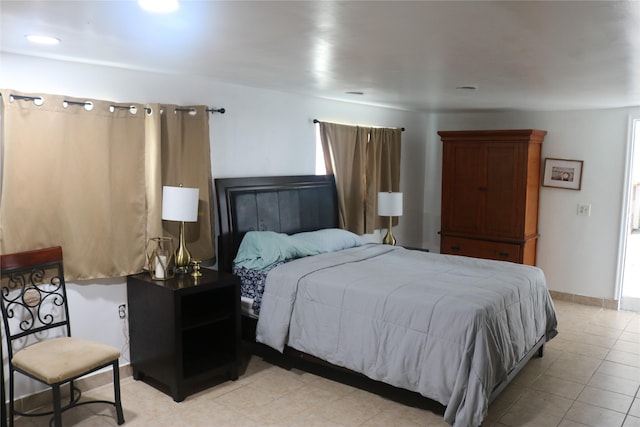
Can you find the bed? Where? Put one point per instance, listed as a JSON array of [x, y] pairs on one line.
[[454, 329]]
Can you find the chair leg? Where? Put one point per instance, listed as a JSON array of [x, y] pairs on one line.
[[3, 400], [71, 392], [57, 410], [116, 392], [12, 408]]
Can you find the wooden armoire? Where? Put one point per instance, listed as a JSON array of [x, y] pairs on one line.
[[490, 193]]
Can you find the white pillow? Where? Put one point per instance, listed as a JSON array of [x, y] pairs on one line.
[[331, 239]]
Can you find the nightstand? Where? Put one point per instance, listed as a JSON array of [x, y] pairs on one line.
[[184, 331]]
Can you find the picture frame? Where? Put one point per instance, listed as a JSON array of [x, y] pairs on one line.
[[562, 173]]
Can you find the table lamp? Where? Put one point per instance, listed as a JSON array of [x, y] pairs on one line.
[[389, 204], [180, 204]]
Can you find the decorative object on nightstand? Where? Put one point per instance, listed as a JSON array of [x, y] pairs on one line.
[[160, 253], [196, 268], [389, 204], [180, 204]]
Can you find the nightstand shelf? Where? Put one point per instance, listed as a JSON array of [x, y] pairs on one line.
[[184, 331], [204, 322]]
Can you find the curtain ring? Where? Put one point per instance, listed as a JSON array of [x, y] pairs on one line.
[[37, 100], [88, 105]]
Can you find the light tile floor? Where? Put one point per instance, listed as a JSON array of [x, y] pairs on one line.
[[589, 376]]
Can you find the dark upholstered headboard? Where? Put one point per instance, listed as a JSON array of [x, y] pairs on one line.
[[285, 204]]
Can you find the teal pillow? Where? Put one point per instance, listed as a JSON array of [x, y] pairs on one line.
[[260, 250]]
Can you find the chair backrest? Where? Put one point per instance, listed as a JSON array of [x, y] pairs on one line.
[[33, 296]]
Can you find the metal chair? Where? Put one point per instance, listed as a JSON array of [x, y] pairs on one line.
[[38, 333]]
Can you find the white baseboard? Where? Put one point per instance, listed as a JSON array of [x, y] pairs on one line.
[[611, 304]]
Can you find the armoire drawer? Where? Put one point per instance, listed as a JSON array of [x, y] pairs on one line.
[[481, 249]]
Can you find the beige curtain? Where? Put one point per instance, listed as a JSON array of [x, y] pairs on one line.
[[364, 161], [153, 170], [75, 178], [186, 160], [345, 151], [383, 172]]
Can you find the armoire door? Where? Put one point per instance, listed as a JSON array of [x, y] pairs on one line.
[[504, 206], [464, 187]]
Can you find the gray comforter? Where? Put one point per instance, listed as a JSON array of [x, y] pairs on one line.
[[447, 327]]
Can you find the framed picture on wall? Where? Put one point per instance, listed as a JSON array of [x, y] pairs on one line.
[[562, 173]]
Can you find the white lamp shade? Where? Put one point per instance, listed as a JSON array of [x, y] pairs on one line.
[[390, 204], [180, 203]]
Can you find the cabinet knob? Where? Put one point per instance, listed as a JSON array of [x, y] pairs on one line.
[[455, 248], [503, 254]]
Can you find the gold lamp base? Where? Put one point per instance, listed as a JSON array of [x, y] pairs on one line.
[[183, 257], [389, 239]]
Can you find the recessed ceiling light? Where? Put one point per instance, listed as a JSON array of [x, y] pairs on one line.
[[35, 38], [159, 6]]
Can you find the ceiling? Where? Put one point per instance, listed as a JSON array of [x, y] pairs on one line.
[[522, 55]]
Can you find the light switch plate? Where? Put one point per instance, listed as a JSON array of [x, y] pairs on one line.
[[584, 210]]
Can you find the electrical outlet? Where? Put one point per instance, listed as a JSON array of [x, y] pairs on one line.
[[122, 311], [584, 210]]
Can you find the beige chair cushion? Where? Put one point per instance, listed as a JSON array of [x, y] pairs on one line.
[[60, 359]]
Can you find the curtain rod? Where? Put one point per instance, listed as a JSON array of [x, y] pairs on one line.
[[33, 98], [83, 103], [318, 121], [28, 98], [210, 110]]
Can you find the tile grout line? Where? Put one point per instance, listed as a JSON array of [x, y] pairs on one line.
[[631, 406], [584, 386]]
